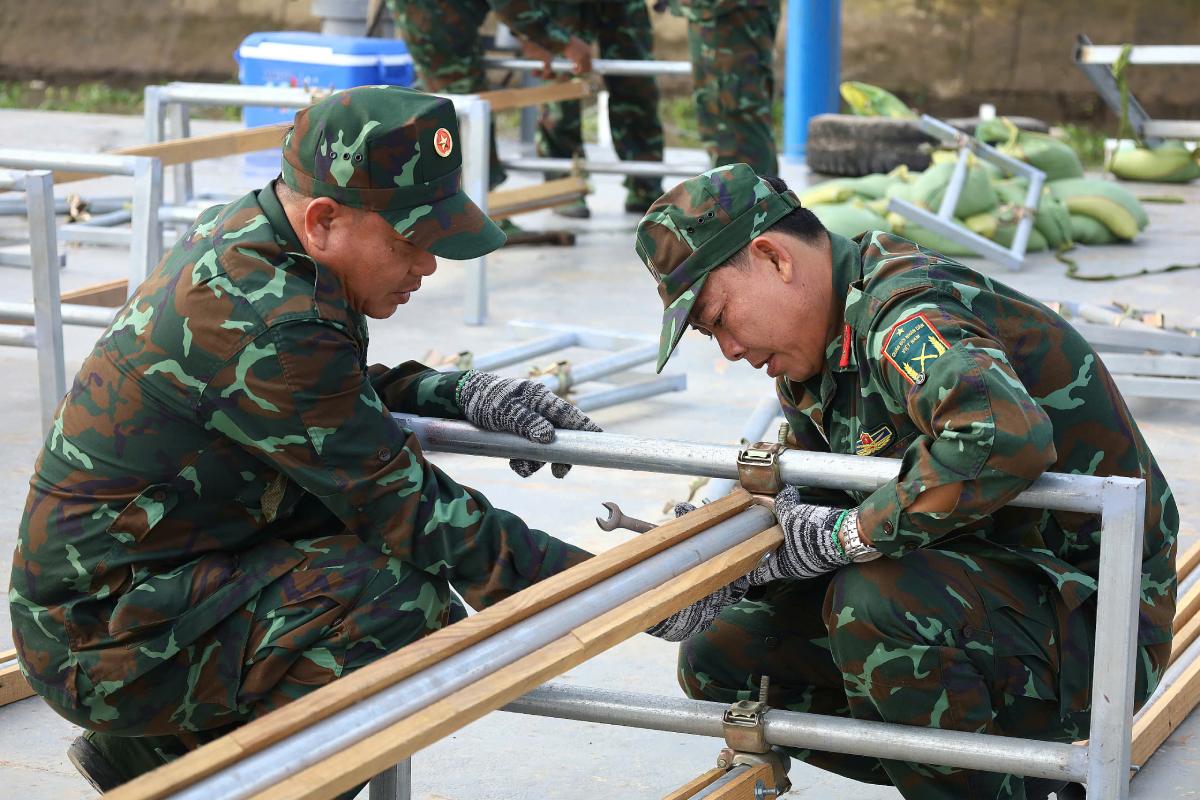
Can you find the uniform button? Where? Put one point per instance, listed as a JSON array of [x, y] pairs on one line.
[[968, 631], [920, 378], [771, 642], [384, 454], [887, 527]]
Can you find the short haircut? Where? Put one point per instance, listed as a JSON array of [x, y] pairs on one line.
[[800, 222]]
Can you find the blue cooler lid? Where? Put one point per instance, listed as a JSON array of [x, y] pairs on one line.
[[306, 47]]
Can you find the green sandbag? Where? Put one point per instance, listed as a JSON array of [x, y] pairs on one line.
[[1001, 227], [1105, 201], [1170, 162], [977, 195], [900, 189], [835, 191], [1011, 190], [1088, 230], [866, 100], [1053, 221], [1048, 154], [850, 219], [926, 237], [871, 187]]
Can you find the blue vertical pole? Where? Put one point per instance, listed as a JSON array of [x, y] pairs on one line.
[[814, 65]]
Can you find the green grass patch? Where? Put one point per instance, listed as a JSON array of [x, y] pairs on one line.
[[1086, 141], [93, 97]]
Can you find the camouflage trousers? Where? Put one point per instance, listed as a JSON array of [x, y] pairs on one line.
[[734, 77], [344, 606], [443, 38], [934, 639], [622, 29]]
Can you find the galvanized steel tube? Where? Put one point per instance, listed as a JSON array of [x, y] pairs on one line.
[[1055, 491], [600, 66], [619, 361], [71, 314], [353, 724], [634, 391], [815, 731], [651, 169]]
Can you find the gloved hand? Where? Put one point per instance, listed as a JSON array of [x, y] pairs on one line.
[[700, 614], [809, 548], [526, 408]]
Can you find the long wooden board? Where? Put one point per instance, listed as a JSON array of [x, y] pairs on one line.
[[375, 677], [697, 783], [1166, 714], [509, 99], [110, 294], [13, 686], [509, 202], [733, 786], [436, 721]]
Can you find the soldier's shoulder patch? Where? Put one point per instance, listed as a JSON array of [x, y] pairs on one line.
[[912, 344], [869, 444]]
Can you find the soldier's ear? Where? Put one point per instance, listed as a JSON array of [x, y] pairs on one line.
[[318, 220], [771, 251]]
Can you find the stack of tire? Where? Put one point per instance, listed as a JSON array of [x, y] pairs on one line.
[[1072, 208]]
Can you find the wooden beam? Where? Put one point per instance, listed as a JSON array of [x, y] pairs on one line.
[[375, 677], [508, 99], [110, 294], [1187, 561], [696, 784], [737, 784], [508, 202], [1166, 714], [1185, 635], [197, 148], [381, 750], [13, 686]]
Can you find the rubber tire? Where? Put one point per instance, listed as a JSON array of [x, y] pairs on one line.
[[852, 146]]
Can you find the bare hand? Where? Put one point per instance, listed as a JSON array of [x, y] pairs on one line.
[[536, 51], [579, 53]]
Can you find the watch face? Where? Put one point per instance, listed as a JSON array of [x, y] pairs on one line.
[[865, 557]]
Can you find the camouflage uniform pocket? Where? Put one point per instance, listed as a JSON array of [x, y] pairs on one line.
[[145, 511], [1026, 650]]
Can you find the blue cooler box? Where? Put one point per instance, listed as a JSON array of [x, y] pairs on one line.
[[300, 58]]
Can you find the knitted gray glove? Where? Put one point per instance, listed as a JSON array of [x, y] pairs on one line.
[[700, 614], [808, 548], [526, 408]]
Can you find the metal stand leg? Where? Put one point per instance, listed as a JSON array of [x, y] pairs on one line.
[[146, 247], [182, 189], [392, 784], [1111, 733], [476, 119], [47, 314]]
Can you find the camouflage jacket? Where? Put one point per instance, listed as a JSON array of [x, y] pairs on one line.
[[711, 9], [966, 380], [231, 389]]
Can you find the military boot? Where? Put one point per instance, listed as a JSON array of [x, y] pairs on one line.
[[108, 761], [576, 209]]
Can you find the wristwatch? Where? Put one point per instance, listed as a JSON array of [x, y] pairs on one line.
[[856, 549]]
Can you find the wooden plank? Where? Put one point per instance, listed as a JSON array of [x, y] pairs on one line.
[[436, 647], [1186, 561], [110, 294], [508, 202], [376, 753], [13, 686], [738, 784], [1166, 714], [1184, 636], [197, 148], [7, 656], [695, 784], [1187, 606], [508, 99]]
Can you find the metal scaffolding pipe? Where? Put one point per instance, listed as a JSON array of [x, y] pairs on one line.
[[816, 731], [754, 430], [1056, 491], [627, 394], [600, 66], [560, 381], [652, 169], [372, 714], [17, 336], [72, 314], [515, 355], [101, 163]]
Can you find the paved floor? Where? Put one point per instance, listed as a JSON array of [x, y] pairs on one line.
[[599, 283]]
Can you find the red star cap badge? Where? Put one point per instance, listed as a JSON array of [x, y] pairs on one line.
[[443, 142]]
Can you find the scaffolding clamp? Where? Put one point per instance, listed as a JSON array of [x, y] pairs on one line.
[[745, 726], [758, 468]]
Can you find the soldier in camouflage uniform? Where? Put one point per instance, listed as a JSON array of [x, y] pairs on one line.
[[979, 616], [732, 48], [443, 38], [622, 30], [225, 516]]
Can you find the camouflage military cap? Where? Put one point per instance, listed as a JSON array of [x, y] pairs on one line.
[[695, 228], [394, 151]]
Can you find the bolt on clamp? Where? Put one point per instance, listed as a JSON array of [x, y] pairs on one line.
[[758, 468]]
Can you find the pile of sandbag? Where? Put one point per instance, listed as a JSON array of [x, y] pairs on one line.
[[1072, 208], [1169, 162]]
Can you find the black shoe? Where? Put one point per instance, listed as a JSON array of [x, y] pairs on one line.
[[107, 761], [93, 766], [576, 209]]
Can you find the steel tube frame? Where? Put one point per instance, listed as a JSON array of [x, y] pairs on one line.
[[600, 66], [652, 169], [47, 314], [627, 394], [1121, 503], [943, 222], [475, 115], [392, 784], [17, 336], [560, 382], [69, 313], [1102, 80], [353, 724], [146, 245], [1030, 757], [1139, 54]]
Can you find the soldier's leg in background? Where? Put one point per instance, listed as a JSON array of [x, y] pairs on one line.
[[779, 634], [625, 33], [733, 71], [560, 126], [944, 640], [447, 50]]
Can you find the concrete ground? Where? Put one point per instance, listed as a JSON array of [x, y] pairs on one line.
[[599, 283]]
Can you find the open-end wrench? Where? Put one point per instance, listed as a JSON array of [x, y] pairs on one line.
[[616, 519]]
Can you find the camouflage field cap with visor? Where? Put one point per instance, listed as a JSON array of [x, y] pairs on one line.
[[695, 228], [396, 152]]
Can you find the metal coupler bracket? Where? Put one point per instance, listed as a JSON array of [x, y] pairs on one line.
[[758, 468], [744, 725]]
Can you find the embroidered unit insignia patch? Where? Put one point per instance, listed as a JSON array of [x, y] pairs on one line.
[[912, 344], [871, 443]]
